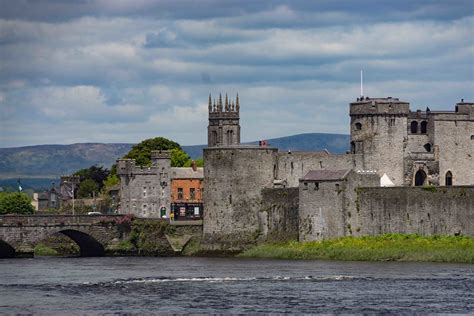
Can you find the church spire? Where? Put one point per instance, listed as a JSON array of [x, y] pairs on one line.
[[210, 104]]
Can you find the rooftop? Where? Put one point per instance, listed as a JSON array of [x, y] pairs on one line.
[[187, 173], [326, 175]]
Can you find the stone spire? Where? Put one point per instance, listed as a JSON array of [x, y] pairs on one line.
[[237, 105], [226, 103], [210, 104], [219, 105]]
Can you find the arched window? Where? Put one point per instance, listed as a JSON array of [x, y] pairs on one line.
[[414, 127], [420, 178], [353, 148], [427, 147], [423, 126], [449, 178], [358, 126]]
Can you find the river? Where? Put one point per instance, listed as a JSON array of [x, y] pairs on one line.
[[142, 285]]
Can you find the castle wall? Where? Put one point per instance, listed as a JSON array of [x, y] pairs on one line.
[[379, 144], [293, 166], [358, 211], [278, 217], [328, 208], [456, 148], [425, 211], [233, 180]]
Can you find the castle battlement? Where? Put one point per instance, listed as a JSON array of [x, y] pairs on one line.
[[379, 106]]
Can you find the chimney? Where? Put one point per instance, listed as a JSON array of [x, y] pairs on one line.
[[193, 165]]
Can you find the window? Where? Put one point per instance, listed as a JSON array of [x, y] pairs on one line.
[[427, 147], [358, 126], [180, 193], [423, 127], [449, 178], [144, 191], [316, 186], [472, 137], [144, 207], [353, 148], [414, 127], [192, 193], [391, 122], [305, 186]]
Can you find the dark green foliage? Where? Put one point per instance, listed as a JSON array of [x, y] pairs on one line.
[[95, 173], [15, 203], [87, 188], [142, 152]]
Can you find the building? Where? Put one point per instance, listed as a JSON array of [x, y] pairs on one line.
[[186, 193], [247, 188], [159, 190]]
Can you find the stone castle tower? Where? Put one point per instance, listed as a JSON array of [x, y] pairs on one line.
[[224, 127], [379, 135]]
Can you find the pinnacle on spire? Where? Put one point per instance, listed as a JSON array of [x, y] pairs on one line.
[[226, 103], [220, 103], [214, 107], [210, 103], [237, 105], [232, 106]]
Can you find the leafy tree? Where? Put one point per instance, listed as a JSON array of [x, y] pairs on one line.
[[142, 152], [87, 187], [95, 173], [15, 203]]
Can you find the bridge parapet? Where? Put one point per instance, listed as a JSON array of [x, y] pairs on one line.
[[57, 220]]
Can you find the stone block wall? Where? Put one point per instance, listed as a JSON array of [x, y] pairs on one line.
[[278, 217], [425, 211], [233, 180]]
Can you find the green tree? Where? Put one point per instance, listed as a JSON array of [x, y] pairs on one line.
[[15, 203], [142, 152], [199, 163], [87, 187], [95, 173]]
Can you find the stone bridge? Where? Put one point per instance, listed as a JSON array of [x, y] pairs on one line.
[[19, 234]]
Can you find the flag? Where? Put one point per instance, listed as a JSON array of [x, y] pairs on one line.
[[19, 186]]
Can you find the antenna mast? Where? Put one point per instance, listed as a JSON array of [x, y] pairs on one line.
[[361, 83]]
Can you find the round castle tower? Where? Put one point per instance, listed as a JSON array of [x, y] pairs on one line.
[[234, 176], [379, 135]]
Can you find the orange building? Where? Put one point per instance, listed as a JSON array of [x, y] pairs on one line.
[[186, 193]]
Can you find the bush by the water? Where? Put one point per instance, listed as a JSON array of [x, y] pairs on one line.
[[15, 203], [388, 247]]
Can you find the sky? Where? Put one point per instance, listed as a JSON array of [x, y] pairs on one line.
[[121, 71]]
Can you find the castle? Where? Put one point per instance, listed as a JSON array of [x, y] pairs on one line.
[[406, 172], [256, 192]]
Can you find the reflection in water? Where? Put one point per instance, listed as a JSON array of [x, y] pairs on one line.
[[216, 285]]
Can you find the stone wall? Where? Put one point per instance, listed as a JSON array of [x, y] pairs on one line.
[[278, 217], [292, 166], [233, 180], [348, 209], [456, 148], [425, 211]]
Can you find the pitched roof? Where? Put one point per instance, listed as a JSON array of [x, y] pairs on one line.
[[326, 175], [187, 173]]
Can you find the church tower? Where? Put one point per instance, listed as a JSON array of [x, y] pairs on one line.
[[223, 129]]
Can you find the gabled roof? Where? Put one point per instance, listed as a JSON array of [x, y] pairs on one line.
[[326, 175], [187, 173]]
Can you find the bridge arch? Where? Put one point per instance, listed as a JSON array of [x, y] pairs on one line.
[[88, 245], [6, 250]]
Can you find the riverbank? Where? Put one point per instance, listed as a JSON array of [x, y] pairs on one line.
[[389, 247]]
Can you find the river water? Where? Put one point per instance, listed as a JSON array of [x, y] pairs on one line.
[[141, 285]]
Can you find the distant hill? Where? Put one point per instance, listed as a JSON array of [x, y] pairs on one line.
[[43, 163]]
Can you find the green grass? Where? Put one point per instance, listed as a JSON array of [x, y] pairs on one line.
[[43, 250], [389, 247]]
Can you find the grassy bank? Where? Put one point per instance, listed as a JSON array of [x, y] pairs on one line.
[[389, 247]]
